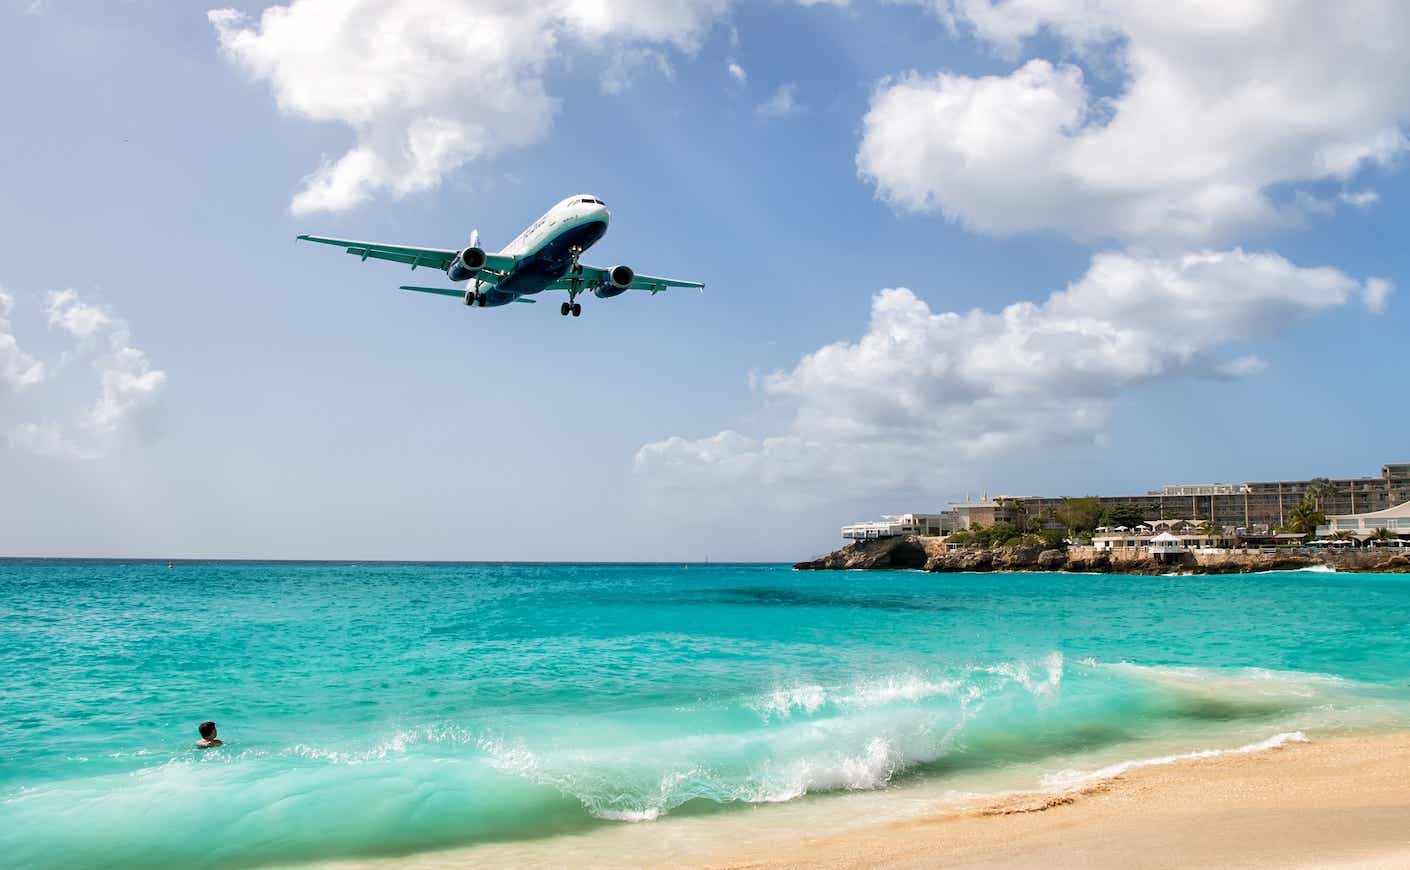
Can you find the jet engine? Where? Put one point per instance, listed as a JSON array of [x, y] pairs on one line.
[[466, 264], [619, 278]]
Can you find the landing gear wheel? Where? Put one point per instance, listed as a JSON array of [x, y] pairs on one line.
[[470, 297], [564, 309], [480, 299], [577, 308]]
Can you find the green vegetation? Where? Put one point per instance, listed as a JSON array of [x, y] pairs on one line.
[[1006, 534], [1383, 534], [1319, 488], [1305, 517], [1079, 515], [1122, 515]]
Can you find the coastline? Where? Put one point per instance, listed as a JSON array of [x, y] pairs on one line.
[[930, 554], [1341, 802], [1337, 802]]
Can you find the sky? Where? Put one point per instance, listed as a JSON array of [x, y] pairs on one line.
[[952, 248]]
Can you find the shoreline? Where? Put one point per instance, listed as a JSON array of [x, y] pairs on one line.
[[931, 555], [1287, 801], [1342, 802]]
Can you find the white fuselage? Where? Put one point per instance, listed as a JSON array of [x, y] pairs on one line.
[[548, 248], [573, 212]]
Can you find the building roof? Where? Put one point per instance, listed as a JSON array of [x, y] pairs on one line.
[[1400, 511], [1165, 536]]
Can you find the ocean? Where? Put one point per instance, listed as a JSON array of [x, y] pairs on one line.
[[389, 710]]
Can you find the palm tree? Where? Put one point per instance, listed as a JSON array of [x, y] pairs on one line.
[[1319, 488], [1383, 534], [1305, 517]]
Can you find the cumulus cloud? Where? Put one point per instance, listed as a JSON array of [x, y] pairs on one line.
[[129, 387], [736, 71], [74, 317], [921, 389], [429, 85], [1218, 105], [17, 368], [784, 101]]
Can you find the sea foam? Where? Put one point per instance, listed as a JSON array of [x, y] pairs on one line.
[[1068, 779]]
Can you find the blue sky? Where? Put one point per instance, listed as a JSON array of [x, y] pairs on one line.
[[1227, 213]]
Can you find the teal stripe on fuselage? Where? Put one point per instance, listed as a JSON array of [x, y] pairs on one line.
[[550, 260]]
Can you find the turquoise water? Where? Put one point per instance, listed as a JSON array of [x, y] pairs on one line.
[[386, 709]]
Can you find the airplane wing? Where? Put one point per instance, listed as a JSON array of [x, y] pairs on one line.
[[435, 258], [594, 275]]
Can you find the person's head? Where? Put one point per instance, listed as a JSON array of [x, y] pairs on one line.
[[207, 730]]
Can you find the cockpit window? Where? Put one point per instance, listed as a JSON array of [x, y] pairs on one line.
[[588, 200]]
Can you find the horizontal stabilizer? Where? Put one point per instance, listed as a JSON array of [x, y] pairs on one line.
[[439, 291], [524, 299]]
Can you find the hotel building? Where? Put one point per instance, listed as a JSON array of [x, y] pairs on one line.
[[1228, 505]]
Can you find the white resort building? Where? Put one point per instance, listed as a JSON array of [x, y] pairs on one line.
[[1395, 520], [1161, 536], [894, 525]]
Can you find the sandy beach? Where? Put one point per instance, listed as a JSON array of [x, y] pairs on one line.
[[1341, 803]]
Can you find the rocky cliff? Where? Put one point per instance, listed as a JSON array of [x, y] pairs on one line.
[[928, 554]]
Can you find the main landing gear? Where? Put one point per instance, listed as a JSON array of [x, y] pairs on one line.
[[473, 297], [573, 308]]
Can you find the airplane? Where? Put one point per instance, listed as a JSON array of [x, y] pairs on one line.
[[542, 257]]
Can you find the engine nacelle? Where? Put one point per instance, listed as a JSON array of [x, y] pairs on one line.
[[619, 278], [467, 264]]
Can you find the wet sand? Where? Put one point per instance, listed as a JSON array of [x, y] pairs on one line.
[[1341, 803]]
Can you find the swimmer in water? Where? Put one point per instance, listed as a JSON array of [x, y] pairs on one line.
[[208, 738]]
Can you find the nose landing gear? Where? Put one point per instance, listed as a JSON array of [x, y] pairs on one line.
[[575, 286]]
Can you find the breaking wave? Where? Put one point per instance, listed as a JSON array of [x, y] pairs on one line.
[[444, 784]]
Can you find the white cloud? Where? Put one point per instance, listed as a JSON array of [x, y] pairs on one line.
[[783, 102], [429, 85], [51, 439], [17, 368], [1220, 104], [736, 71], [1376, 293], [77, 318], [129, 386], [1360, 198], [621, 70], [1243, 367], [922, 389]]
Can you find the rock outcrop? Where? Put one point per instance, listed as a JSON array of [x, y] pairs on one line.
[[881, 553], [929, 554]]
